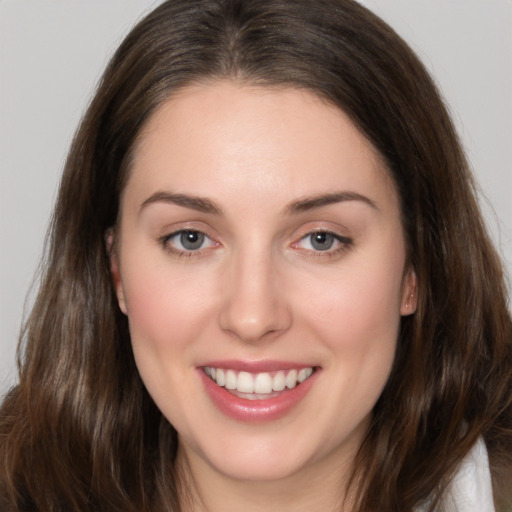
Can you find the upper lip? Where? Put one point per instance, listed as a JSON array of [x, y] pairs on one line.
[[257, 366]]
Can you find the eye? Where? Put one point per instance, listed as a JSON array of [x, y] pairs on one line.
[[190, 240], [320, 241], [323, 241], [186, 241]]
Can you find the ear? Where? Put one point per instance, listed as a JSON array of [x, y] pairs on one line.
[[114, 269], [409, 293]]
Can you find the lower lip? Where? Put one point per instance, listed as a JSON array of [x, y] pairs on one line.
[[242, 409]]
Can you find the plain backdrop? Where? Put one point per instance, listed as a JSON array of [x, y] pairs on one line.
[[52, 53]]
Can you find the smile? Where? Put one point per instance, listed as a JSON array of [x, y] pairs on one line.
[[245, 393], [257, 386]]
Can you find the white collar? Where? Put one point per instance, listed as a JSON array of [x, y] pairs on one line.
[[471, 488]]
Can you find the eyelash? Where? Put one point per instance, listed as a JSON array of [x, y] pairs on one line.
[[165, 242], [344, 244]]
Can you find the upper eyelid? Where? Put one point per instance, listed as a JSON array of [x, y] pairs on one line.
[[342, 243], [340, 232], [337, 236], [178, 227], [304, 231], [176, 232]]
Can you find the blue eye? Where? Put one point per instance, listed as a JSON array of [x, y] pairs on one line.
[[323, 241], [186, 241], [191, 240]]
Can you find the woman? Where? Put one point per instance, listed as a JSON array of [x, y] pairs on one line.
[[268, 283]]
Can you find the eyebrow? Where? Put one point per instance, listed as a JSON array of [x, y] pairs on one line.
[[201, 204], [314, 202], [205, 205]]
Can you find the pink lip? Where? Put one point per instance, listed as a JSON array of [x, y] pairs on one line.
[[256, 366], [253, 411]]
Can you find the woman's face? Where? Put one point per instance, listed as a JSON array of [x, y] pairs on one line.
[[260, 248]]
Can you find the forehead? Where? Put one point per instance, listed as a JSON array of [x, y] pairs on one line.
[[250, 138]]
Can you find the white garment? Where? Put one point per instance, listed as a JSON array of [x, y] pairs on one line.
[[471, 488]]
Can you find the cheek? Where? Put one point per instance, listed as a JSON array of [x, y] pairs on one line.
[[166, 309], [166, 315], [365, 302], [150, 307], [357, 315]]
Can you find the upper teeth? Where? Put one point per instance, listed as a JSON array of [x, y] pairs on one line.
[[260, 383]]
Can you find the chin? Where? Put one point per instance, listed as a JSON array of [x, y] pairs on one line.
[[256, 457], [259, 469]]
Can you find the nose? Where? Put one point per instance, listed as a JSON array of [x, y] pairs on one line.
[[254, 306]]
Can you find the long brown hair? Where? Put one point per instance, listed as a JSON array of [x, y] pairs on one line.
[[79, 432]]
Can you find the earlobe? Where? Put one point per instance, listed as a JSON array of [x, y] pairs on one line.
[[409, 293], [114, 269]]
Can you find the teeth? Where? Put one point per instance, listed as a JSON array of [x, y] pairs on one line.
[[291, 379], [245, 383], [260, 383], [220, 377], [279, 381], [304, 374], [231, 380]]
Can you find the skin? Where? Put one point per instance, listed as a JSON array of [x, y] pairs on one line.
[[257, 289]]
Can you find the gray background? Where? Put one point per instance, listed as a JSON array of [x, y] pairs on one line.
[[52, 53]]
